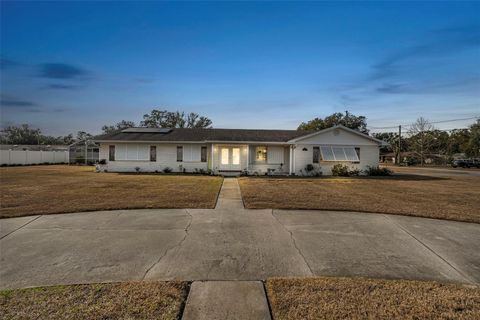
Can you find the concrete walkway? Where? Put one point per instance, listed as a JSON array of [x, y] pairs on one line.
[[230, 196]]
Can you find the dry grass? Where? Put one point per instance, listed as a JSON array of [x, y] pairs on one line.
[[61, 189], [451, 198], [347, 298], [137, 300]]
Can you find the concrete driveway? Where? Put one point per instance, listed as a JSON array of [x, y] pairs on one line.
[[232, 244]]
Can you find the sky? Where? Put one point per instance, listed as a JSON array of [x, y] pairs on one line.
[[69, 66]]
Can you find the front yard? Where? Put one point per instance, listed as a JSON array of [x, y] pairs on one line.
[[61, 189], [451, 198], [357, 298], [135, 300]]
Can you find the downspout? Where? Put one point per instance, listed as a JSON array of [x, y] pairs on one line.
[[290, 169], [248, 156]]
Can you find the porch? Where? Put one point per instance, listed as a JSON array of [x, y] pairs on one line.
[[254, 159]]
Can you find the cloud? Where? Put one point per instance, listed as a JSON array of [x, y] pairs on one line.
[[61, 71], [7, 63], [391, 88], [57, 86], [6, 101], [445, 42]]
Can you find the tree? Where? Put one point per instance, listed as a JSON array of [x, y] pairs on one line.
[[348, 120], [124, 124], [177, 119], [82, 135], [392, 139], [22, 134], [458, 141], [421, 138], [473, 146]]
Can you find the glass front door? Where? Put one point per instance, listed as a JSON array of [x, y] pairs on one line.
[[229, 158]]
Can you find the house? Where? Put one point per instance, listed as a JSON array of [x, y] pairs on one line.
[[232, 151]]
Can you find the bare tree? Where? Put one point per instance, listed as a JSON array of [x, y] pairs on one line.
[[421, 138]]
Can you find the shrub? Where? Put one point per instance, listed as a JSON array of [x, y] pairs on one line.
[[377, 171], [354, 172], [309, 167], [311, 171], [340, 170], [167, 170]]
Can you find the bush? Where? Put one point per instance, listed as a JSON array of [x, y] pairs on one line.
[[340, 170], [377, 171], [310, 170], [309, 167], [167, 170]]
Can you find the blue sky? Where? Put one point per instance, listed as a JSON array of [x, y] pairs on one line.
[[70, 66]]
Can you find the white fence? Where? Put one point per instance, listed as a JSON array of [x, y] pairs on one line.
[[26, 157]]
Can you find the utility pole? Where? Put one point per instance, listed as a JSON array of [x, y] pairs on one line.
[[86, 151], [399, 145]]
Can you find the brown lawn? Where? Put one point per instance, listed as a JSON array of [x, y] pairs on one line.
[[451, 198], [60, 189], [357, 298], [136, 300]]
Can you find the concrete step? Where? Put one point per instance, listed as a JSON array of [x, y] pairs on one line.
[[225, 300]]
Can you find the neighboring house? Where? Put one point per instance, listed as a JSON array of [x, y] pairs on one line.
[[232, 151]]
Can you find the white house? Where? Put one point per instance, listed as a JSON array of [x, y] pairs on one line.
[[232, 151]]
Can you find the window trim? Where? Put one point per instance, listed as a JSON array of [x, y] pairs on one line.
[[178, 158], [203, 154], [111, 156], [154, 158], [318, 156], [265, 153]]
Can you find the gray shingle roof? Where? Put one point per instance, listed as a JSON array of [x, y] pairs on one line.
[[198, 135]]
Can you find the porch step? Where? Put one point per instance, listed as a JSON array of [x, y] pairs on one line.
[[229, 173]]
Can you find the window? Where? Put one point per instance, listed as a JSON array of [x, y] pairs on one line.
[[235, 155], [203, 154], [224, 156], [261, 154], [111, 153], [153, 153], [131, 151], [179, 153], [316, 154], [327, 154], [357, 150], [339, 154], [351, 154]]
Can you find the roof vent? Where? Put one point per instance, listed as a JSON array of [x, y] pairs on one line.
[[147, 130]]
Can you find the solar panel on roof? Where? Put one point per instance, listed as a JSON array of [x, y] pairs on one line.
[[147, 130]]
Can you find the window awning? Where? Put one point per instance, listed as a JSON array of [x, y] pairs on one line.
[[330, 153]]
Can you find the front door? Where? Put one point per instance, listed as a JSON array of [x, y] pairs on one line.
[[230, 158]]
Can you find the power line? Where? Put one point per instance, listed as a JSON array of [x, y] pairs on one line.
[[434, 122]]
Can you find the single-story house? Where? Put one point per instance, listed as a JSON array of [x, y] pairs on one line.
[[233, 151]]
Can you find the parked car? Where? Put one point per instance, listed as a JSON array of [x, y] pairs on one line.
[[466, 163]]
